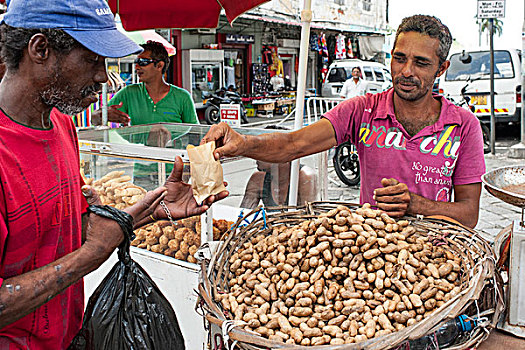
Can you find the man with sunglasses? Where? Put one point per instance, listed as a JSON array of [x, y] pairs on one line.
[[152, 100]]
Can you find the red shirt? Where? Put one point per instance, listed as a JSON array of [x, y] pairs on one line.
[[40, 221]]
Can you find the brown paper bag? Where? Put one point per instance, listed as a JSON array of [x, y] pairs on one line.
[[206, 172]]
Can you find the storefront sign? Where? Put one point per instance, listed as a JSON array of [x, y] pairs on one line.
[[240, 39], [491, 8], [231, 115]]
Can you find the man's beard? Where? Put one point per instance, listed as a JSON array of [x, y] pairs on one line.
[[420, 91], [63, 97]]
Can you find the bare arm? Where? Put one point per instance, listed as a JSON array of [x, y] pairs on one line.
[[253, 192], [396, 200], [274, 148], [22, 294]]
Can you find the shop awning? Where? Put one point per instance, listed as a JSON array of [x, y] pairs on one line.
[[140, 14]]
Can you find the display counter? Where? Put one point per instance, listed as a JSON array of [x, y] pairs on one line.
[[142, 156]]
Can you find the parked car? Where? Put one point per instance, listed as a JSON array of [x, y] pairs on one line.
[[472, 69], [376, 74]]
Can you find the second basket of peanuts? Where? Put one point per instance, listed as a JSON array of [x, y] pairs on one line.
[[341, 276]]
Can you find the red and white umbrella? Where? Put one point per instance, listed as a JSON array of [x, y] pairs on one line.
[[143, 36], [140, 14]]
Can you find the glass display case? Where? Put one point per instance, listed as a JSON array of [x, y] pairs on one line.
[[145, 153]]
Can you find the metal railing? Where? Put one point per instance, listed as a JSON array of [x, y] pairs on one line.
[[316, 107]]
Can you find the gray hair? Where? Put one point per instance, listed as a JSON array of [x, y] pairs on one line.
[[431, 26], [14, 41]]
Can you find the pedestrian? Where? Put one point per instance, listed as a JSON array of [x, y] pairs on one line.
[[355, 86], [418, 153], [277, 82], [152, 100], [48, 242]]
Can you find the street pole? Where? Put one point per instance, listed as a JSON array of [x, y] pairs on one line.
[[104, 103], [306, 19], [479, 33], [522, 119], [492, 116]]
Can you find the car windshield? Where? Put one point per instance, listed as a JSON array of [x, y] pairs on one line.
[[388, 76], [337, 75], [379, 74], [478, 66], [368, 73]]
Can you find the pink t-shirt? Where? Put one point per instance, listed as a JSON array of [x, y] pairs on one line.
[[442, 155]]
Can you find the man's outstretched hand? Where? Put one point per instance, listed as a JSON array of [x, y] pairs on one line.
[[393, 198], [114, 115], [179, 198], [229, 143]]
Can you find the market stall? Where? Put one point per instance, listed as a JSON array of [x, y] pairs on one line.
[[121, 164]]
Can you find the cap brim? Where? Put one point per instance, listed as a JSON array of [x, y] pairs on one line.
[[107, 43]]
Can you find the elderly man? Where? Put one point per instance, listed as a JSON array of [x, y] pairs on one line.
[[50, 73], [354, 86], [415, 148]]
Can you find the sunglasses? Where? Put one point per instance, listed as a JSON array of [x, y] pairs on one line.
[[144, 61]]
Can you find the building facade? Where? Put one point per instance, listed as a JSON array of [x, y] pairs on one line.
[[339, 29]]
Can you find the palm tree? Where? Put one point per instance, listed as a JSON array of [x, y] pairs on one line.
[[497, 26], [484, 26]]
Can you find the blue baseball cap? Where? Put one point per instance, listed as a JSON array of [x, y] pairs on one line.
[[90, 22]]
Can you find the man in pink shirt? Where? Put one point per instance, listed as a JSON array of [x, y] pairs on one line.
[[418, 153]]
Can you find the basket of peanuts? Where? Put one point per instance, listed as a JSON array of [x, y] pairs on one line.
[[333, 275]]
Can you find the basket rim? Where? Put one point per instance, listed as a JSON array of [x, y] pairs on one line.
[[484, 268]]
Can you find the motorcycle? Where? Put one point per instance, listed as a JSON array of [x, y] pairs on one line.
[[213, 103], [465, 103], [346, 164]]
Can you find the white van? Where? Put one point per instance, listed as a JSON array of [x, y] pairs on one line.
[[471, 69], [376, 74]]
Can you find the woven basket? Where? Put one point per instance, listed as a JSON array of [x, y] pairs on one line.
[[481, 295]]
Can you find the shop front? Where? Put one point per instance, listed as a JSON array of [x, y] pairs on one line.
[[202, 73], [237, 60], [288, 50]]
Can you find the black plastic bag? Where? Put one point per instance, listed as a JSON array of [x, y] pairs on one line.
[[127, 310]]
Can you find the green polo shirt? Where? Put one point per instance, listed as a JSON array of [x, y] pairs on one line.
[[176, 107]]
